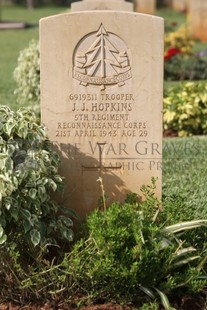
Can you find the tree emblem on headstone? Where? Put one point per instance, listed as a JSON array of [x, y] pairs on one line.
[[101, 58]]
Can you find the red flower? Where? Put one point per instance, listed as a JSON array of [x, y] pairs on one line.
[[171, 52]]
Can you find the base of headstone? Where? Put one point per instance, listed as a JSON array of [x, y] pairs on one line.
[[12, 25], [91, 5]]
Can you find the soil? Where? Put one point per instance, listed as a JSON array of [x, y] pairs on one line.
[[108, 306], [170, 133], [186, 303]]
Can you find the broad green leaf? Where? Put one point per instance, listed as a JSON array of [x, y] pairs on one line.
[[27, 225], [42, 228], [8, 127], [69, 212], [22, 131], [67, 233], [45, 181], [3, 236], [42, 194], [34, 219], [3, 162], [8, 202], [1, 231], [14, 213], [65, 220], [32, 193], [58, 178], [53, 184], [7, 206], [3, 239], [26, 213], [35, 237]]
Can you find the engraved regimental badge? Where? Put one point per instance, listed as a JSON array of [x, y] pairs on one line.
[[101, 59]]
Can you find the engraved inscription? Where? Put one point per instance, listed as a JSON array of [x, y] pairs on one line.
[[101, 59], [102, 115]]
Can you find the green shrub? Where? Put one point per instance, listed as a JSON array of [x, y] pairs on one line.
[[184, 67], [150, 306], [129, 255], [27, 77], [29, 173], [185, 108]]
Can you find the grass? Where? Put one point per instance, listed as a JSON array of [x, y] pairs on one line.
[[13, 41], [185, 175], [171, 16]]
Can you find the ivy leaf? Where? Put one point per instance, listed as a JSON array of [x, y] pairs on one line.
[[14, 213], [26, 214], [3, 158], [8, 128], [53, 184], [42, 194], [69, 212], [27, 225], [42, 228], [8, 203], [32, 193], [1, 231], [66, 221], [7, 206], [3, 239], [3, 236], [35, 237], [67, 233]]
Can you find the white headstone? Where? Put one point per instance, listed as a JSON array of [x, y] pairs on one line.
[[145, 6], [88, 5], [198, 19], [101, 99], [180, 5]]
